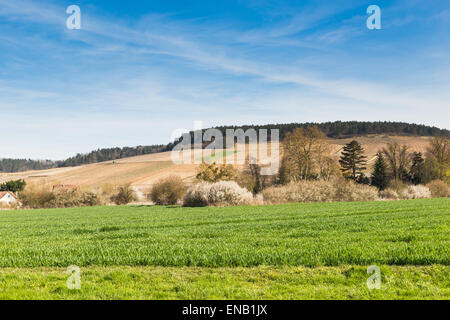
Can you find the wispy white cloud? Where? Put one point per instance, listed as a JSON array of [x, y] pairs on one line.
[[181, 44], [210, 72]]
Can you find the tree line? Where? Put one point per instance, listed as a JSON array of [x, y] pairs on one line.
[[396, 163], [18, 165], [349, 129], [100, 155]]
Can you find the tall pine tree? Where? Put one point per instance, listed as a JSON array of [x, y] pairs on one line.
[[380, 178], [353, 161], [417, 171]]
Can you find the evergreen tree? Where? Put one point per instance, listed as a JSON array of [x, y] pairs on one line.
[[362, 179], [13, 186], [380, 178], [353, 161], [417, 171]]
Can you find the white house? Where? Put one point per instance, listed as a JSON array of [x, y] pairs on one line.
[[7, 198]]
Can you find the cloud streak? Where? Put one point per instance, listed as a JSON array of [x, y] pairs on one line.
[[115, 73]]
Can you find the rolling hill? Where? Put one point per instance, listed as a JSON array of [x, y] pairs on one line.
[[333, 130], [143, 171]]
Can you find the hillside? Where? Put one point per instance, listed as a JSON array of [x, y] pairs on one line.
[[373, 143], [334, 130], [143, 171]]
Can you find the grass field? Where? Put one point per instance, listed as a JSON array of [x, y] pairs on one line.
[[263, 282], [285, 251]]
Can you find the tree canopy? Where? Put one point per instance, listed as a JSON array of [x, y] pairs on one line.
[[13, 186], [353, 161]]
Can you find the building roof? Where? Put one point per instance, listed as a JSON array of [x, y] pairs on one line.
[[4, 193]]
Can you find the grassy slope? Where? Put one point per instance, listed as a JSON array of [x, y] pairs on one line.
[[240, 252]]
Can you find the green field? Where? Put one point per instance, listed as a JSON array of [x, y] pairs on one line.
[[264, 282], [284, 251]]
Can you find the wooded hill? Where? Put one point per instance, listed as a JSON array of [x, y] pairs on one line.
[[349, 129], [336, 130], [100, 155], [19, 165]]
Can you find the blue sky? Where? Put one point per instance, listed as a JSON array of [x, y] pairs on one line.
[[138, 70]]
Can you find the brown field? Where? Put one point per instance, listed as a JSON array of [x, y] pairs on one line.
[[143, 171], [373, 143]]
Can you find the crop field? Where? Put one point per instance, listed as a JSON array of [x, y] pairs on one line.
[[234, 252]]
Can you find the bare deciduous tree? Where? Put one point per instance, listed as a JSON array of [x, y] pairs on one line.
[[305, 152], [398, 160], [439, 153]]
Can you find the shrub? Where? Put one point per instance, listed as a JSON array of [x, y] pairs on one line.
[[349, 191], [219, 193], [107, 189], [415, 192], [439, 189], [215, 172], [229, 192], [40, 196], [74, 198], [36, 196], [245, 180], [398, 186], [406, 193], [168, 191], [389, 194], [124, 195], [89, 199], [64, 199], [251, 178], [12, 206], [197, 196], [303, 191], [105, 192], [320, 191]]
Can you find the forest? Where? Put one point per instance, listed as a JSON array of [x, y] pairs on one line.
[[349, 129]]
